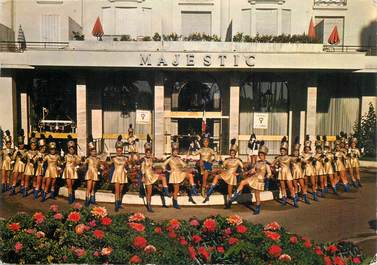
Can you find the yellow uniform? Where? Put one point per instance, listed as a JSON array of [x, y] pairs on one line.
[[355, 155], [297, 172], [132, 147], [120, 171], [6, 155], [40, 160], [71, 162], [262, 170], [319, 169], [18, 157], [230, 174], [147, 170], [347, 157], [206, 156], [284, 163], [177, 173], [53, 161], [328, 163], [93, 166], [31, 156], [309, 169], [340, 157]]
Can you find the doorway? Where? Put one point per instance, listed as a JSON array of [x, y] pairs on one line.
[[188, 127]]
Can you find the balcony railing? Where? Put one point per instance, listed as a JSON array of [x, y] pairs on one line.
[[330, 3], [16, 46], [369, 50]]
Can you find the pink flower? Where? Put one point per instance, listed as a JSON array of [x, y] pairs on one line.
[[18, 247], [232, 241], [77, 206], [228, 231], [210, 225], [241, 229], [40, 234], [307, 244], [220, 249], [356, 260], [74, 217], [196, 238], [272, 226], [285, 257], [39, 217], [150, 249], [92, 223], [234, 220], [135, 260], [54, 208], [14, 227], [274, 251], [30, 231], [194, 222], [58, 216], [106, 221], [183, 241], [293, 240], [79, 252], [332, 248], [99, 234], [96, 253], [136, 217], [79, 229]]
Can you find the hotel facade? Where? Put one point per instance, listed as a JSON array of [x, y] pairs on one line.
[[243, 74]]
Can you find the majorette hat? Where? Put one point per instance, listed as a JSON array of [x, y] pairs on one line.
[[33, 140], [284, 143], [318, 142], [337, 141], [42, 140], [307, 142], [7, 137], [325, 142], [354, 140], [262, 148], [148, 144], [51, 144], [297, 145], [233, 145], [70, 142], [20, 137], [91, 144], [130, 129], [119, 143], [252, 144], [175, 143], [343, 137]]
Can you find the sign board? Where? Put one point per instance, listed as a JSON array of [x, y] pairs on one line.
[[260, 120], [143, 117]]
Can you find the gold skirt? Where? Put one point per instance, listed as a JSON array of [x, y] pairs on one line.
[[229, 178], [297, 174], [309, 170], [119, 176], [7, 164], [339, 166], [355, 163], [39, 171], [70, 173], [51, 172], [177, 177], [285, 174], [92, 174], [319, 169], [256, 182], [150, 178], [29, 169], [348, 163], [329, 169], [19, 167]]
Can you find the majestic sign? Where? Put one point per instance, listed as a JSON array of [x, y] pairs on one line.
[[143, 117], [260, 120], [228, 60]]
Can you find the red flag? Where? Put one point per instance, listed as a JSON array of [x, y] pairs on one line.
[[334, 36], [97, 29], [311, 31]]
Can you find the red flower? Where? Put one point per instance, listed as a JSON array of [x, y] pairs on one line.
[[196, 238], [139, 242], [272, 226], [79, 252], [228, 231], [135, 259], [74, 217], [274, 251], [174, 224], [172, 234], [204, 253], [18, 247], [338, 261], [99, 234], [158, 230], [332, 248], [241, 229], [183, 241], [106, 221], [58, 216], [150, 249], [220, 249], [356, 260], [210, 225], [30, 231], [232, 241], [14, 227], [39, 217], [307, 244], [96, 254], [194, 222], [137, 227], [327, 260], [293, 240], [77, 206], [318, 251], [54, 208], [272, 235], [192, 252]]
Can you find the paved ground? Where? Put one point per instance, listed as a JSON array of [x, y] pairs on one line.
[[350, 216]]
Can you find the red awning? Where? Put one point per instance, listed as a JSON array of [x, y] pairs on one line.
[[311, 31], [97, 29], [334, 36]]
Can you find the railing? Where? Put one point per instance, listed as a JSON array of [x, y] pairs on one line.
[[330, 2], [369, 50], [19, 46]]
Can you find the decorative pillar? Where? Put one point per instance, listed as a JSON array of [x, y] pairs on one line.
[[159, 138], [8, 106], [81, 112], [311, 111], [234, 109], [25, 115]]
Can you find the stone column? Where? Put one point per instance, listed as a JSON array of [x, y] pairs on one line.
[[234, 109], [25, 115], [159, 138], [311, 111], [8, 106], [81, 113]]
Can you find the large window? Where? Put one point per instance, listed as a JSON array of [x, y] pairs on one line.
[[50, 28], [127, 21], [196, 22], [267, 21], [286, 21]]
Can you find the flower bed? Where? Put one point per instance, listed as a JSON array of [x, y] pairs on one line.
[[90, 236]]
